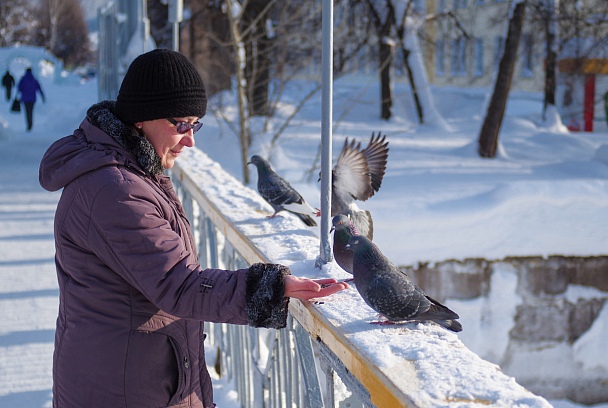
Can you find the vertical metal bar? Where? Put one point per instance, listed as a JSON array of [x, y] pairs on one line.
[[329, 385], [286, 366], [145, 26], [203, 243], [326, 130], [312, 387], [176, 37], [212, 239]]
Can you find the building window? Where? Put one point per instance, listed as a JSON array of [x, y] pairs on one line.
[[478, 54], [439, 58], [459, 57], [499, 44], [527, 57]]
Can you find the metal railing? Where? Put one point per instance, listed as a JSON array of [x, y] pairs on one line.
[[301, 365], [312, 362]]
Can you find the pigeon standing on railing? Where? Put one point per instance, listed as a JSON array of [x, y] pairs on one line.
[[343, 229], [280, 194], [390, 292], [358, 175]]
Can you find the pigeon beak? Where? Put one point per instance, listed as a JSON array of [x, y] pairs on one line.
[[332, 229]]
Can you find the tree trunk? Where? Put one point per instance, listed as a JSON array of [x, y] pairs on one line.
[[410, 76], [208, 45], [257, 46], [488, 138], [550, 65], [244, 134], [386, 59]]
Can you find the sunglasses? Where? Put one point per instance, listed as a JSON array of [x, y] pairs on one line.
[[184, 127]]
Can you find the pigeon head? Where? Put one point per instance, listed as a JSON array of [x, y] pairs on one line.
[[339, 222], [359, 244], [261, 163], [342, 222]]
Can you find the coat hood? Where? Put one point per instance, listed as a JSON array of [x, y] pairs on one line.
[[101, 140]]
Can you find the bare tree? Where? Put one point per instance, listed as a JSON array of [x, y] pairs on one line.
[[20, 24], [260, 47], [160, 27], [383, 18], [568, 23], [207, 42], [402, 30], [235, 15], [67, 31], [488, 137], [257, 44]]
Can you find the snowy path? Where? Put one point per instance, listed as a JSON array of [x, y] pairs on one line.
[[28, 288]]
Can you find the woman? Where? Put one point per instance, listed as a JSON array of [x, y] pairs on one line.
[[133, 296]]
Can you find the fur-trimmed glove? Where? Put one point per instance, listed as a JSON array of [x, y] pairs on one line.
[[266, 304]]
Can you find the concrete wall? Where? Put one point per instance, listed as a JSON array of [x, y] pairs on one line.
[[542, 320]]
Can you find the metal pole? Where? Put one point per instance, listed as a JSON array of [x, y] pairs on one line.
[[145, 25], [326, 128], [176, 13], [175, 36]]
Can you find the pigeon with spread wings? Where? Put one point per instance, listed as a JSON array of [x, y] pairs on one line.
[[358, 175], [280, 194]]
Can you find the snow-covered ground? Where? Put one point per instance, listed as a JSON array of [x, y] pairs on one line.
[[546, 193]]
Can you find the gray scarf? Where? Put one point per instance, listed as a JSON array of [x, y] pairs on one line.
[[102, 116]]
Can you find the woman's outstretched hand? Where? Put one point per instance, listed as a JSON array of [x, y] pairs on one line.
[[305, 289]]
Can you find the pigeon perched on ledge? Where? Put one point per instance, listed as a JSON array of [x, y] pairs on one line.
[[358, 175], [343, 229], [390, 292], [280, 194]]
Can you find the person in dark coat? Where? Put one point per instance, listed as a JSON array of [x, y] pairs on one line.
[[132, 294], [28, 87], [8, 82]]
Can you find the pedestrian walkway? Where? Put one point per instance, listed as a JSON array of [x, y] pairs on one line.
[[29, 295], [28, 285]]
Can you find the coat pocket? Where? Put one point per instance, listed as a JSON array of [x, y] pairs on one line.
[[156, 370]]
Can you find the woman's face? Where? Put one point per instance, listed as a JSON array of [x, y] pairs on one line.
[[166, 140]]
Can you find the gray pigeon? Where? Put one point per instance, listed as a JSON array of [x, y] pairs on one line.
[[390, 292], [280, 194], [358, 175], [343, 229]]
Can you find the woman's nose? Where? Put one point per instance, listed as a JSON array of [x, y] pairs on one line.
[[188, 139]]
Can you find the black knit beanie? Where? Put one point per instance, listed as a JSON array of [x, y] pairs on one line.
[[160, 84]]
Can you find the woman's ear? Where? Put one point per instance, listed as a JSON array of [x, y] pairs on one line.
[[138, 125]]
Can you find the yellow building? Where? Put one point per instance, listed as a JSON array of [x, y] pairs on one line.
[[464, 40]]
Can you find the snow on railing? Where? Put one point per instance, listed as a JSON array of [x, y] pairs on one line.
[[329, 355]]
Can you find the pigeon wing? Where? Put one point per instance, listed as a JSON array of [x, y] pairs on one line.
[[396, 298], [351, 178], [279, 191], [376, 155]]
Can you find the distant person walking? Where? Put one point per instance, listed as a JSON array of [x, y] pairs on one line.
[[8, 82], [28, 86]]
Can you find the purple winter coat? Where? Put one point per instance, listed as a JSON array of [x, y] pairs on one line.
[[28, 86], [133, 296]]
